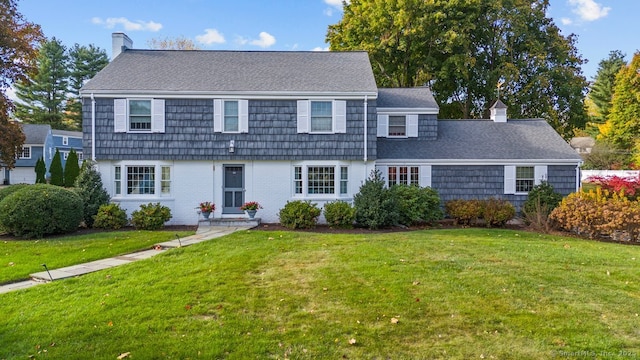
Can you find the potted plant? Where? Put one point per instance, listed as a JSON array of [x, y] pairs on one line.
[[206, 208], [251, 207]]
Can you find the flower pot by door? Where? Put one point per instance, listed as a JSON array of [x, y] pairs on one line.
[[206, 215], [252, 213]]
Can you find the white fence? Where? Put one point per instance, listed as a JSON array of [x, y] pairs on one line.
[[584, 174]]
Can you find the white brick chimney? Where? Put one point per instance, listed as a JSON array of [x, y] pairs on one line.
[[119, 42], [498, 112]]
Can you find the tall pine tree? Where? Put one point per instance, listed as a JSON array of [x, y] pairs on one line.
[[85, 62], [601, 91], [43, 94], [57, 174]]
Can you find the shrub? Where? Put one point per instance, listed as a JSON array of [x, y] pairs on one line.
[[150, 216], [40, 209], [464, 212], [416, 204], [339, 214], [375, 205], [110, 216], [582, 212], [299, 214], [544, 195], [496, 212], [89, 186], [6, 191], [57, 174], [629, 187], [71, 169]]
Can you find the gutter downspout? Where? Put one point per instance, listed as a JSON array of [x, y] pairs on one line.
[[93, 128], [365, 128]]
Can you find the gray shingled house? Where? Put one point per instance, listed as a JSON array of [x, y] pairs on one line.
[[183, 127]]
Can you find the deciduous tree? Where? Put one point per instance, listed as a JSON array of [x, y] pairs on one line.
[[463, 49], [179, 43], [18, 39]]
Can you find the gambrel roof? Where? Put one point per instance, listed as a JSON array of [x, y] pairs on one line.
[[229, 72]]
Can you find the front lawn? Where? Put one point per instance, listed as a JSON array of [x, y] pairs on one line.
[[19, 258], [447, 294]]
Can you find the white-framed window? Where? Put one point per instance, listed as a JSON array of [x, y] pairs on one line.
[[65, 155], [419, 175], [139, 115], [322, 116], [142, 179], [231, 116], [65, 140], [25, 153], [520, 179], [80, 155], [321, 180], [398, 125]]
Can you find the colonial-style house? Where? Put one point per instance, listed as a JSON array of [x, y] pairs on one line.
[[183, 127]]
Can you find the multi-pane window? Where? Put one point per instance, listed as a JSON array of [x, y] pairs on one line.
[[320, 180], [80, 155], [321, 116], [141, 180], [397, 126], [140, 115], [231, 116], [344, 179], [25, 153], [65, 140], [117, 180], [297, 179], [525, 178], [165, 180], [405, 175]]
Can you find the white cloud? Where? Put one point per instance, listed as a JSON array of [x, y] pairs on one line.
[[210, 36], [589, 10], [319, 48], [264, 41], [128, 25], [566, 21], [335, 3]]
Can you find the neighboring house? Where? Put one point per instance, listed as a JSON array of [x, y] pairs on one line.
[[38, 139], [41, 141], [182, 127], [64, 141], [583, 144]]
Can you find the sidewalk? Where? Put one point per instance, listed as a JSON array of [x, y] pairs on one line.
[[205, 232]]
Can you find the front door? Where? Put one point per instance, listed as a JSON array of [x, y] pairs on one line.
[[233, 189]]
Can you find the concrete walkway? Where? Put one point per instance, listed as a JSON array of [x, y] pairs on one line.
[[205, 232]]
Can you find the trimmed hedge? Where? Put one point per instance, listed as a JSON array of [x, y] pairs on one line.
[[299, 214], [416, 205], [39, 210], [110, 216], [150, 216], [339, 214], [494, 212]]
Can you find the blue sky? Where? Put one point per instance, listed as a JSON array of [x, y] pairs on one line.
[[601, 25]]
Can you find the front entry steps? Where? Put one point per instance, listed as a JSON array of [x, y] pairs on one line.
[[239, 221]]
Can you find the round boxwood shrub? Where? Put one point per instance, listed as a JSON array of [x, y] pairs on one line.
[[110, 216], [39, 210], [4, 192], [150, 216], [339, 214], [299, 214], [416, 204]]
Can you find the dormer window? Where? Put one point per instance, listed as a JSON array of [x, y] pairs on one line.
[[397, 126]]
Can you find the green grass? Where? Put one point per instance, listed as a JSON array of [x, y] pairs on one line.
[[456, 294], [20, 258]]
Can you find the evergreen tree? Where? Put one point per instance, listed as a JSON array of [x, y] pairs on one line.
[[601, 91], [89, 187], [43, 95], [71, 169], [17, 51], [41, 171], [85, 62], [57, 175]]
